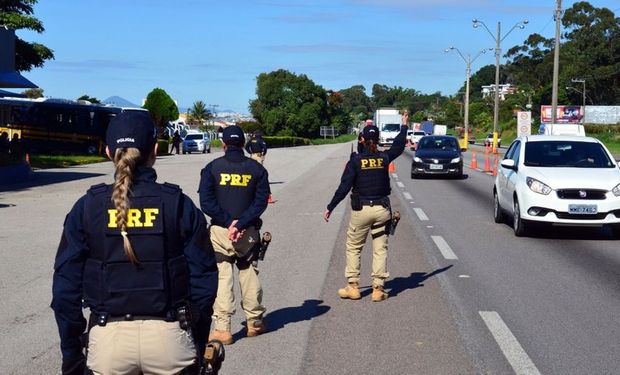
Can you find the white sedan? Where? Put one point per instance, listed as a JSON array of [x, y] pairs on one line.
[[559, 180]]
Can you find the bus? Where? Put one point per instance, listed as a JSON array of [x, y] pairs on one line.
[[58, 126]]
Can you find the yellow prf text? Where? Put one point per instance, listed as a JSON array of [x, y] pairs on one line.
[[372, 163], [234, 179], [136, 218]]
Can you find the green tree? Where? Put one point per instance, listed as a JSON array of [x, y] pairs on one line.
[[33, 93], [90, 99], [356, 103], [289, 104], [199, 113], [161, 107], [18, 15]]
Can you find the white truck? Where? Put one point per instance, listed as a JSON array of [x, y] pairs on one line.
[[440, 129], [388, 120]]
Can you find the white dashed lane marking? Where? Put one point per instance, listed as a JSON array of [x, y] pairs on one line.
[[513, 351], [407, 195], [444, 248], [400, 184], [395, 175], [421, 215]]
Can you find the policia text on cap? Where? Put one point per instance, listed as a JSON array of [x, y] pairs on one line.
[[366, 176]]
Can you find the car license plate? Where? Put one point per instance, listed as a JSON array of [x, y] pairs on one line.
[[582, 209], [436, 166]]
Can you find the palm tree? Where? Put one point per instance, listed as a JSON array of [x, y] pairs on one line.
[[199, 113]]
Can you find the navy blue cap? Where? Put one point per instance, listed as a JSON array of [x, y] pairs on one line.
[[371, 132], [233, 135], [131, 129]]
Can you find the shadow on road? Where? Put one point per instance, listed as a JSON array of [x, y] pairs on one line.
[[277, 319], [40, 178], [399, 284]]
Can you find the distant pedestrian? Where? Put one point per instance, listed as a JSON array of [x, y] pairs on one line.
[[4, 143], [257, 147], [16, 147], [176, 142]]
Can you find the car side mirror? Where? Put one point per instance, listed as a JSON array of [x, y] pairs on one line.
[[509, 164]]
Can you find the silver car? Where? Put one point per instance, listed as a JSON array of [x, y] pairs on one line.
[[196, 142]]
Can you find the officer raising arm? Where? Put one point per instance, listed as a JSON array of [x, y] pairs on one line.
[[366, 176], [257, 147], [234, 190], [137, 253]]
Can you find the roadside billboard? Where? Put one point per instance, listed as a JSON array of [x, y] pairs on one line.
[[570, 114]]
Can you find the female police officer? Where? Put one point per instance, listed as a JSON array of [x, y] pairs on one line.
[[137, 253], [367, 174]]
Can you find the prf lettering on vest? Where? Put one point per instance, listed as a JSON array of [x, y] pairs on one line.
[[234, 179], [372, 163], [136, 218]]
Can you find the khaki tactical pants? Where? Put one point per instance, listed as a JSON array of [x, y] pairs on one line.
[[139, 347], [251, 290], [259, 157], [368, 219]]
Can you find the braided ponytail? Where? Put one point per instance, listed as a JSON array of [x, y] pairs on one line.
[[125, 160]]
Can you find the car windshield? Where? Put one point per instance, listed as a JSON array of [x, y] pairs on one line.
[[194, 136], [419, 133], [572, 154], [432, 143], [391, 127]]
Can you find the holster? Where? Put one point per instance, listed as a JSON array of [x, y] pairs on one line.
[[356, 202]]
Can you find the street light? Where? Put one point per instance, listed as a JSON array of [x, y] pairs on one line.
[[583, 93], [498, 39], [468, 62]]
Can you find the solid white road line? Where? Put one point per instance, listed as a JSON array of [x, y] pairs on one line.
[[513, 351], [421, 215], [407, 195], [444, 248], [400, 184]]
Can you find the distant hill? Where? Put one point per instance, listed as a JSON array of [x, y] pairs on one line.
[[120, 102]]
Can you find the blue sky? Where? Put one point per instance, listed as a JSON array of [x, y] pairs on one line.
[[213, 50]]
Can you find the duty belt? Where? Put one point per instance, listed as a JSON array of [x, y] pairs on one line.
[[372, 202]]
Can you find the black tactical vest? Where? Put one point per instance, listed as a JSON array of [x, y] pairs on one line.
[[255, 146], [373, 179], [111, 283], [235, 185]]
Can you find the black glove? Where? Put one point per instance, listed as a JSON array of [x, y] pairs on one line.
[[74, 366]]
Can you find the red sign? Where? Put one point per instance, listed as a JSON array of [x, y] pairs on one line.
[[570, 114]]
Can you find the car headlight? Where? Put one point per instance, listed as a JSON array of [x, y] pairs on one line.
[[616, 190], [455, 160], [417, 159], [537, 186]]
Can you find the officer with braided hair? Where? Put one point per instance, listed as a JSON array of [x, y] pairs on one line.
[[366, 176], [137, 254]]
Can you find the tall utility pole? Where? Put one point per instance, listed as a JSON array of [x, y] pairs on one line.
[[556, 62], [583, 93], [468, 62], [498, 39]]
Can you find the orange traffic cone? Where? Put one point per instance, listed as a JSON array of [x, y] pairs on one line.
[[495, 162], [392, 168], [270, 199], [487, 160], [474, 162]]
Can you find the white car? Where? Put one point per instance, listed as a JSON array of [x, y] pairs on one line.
[[558, 180]]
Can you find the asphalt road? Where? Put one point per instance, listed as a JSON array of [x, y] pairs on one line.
[[467, 297]]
